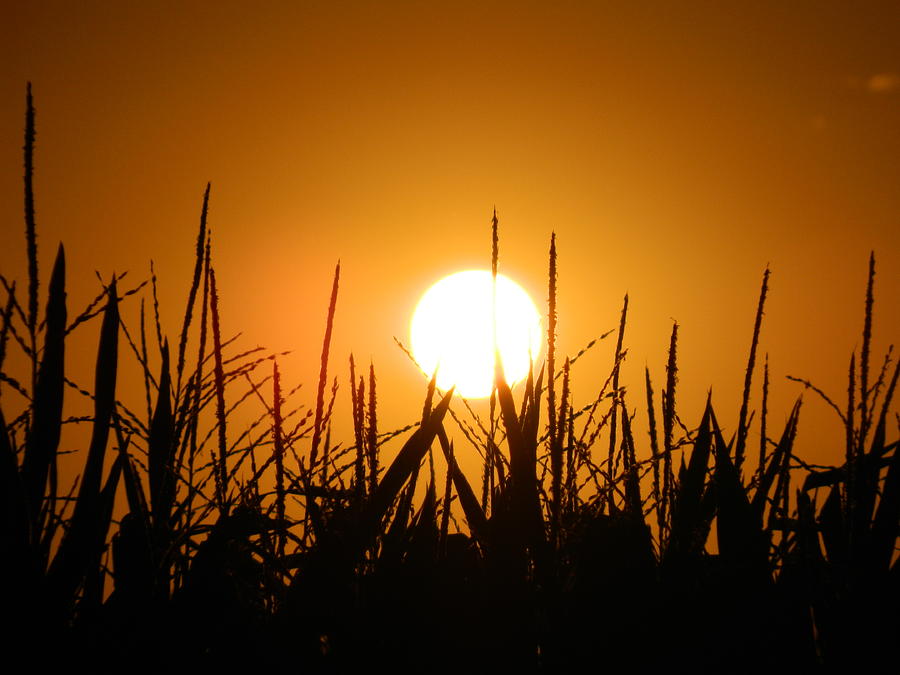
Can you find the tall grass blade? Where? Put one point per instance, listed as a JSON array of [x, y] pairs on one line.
[[395, 537], [157, 323], [44, 434], [278, 450], [556, 457], [356, 396], [531, 414], [779, 458], [95, 571], [104, 402], [687, 518], [86, 535], [403, 466], [429, 397], [572, 456], [864, 420], [221, 468], [134, 491], [30, 229], [633, 502], [195, 284], [160, 450], [323, 368], [198, 371], [850, 425], [487, 470], [474, 513], [551, 342], [655, 456], [522, 465], [741, 539], [864, 491], [372, 432], [748, 376], [615, 400], [445, 502], [669, 415], [145, 363], [495, 243], [763, 420], [424, 538]]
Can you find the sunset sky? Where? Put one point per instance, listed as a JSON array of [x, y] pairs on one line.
[[676, 149]]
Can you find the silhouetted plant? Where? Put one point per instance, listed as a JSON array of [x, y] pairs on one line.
[[282, 548]]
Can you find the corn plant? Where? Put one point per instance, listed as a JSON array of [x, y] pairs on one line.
[[284, 547]]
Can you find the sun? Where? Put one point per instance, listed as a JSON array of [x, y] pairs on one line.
[[452, 331]]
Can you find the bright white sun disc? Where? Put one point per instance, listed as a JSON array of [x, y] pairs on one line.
[[453, 331]]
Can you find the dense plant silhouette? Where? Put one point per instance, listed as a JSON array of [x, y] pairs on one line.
[[283, 549]]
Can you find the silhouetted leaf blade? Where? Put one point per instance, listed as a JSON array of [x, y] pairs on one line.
[[160, 449], [404, 464], [688, 522], [43, 439]]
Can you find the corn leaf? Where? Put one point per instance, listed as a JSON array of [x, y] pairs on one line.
[[740, 535], [160, 449], [402, 467], [688, 522], [523, 458], [86, 535], [834, 528], [43, 437], [886, 523], [471, 508], [778, 459]]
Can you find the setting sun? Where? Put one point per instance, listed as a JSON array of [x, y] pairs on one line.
[[452, 331]]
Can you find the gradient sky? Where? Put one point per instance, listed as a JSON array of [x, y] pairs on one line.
[[676, 149]]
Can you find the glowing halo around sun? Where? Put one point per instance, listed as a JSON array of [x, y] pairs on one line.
[[452, 331]]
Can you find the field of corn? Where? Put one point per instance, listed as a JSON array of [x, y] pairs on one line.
[[284, 549]]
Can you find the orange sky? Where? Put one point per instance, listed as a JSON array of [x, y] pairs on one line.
[[675, 152]]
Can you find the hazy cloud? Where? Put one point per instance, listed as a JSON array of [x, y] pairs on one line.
[[882, 83]]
